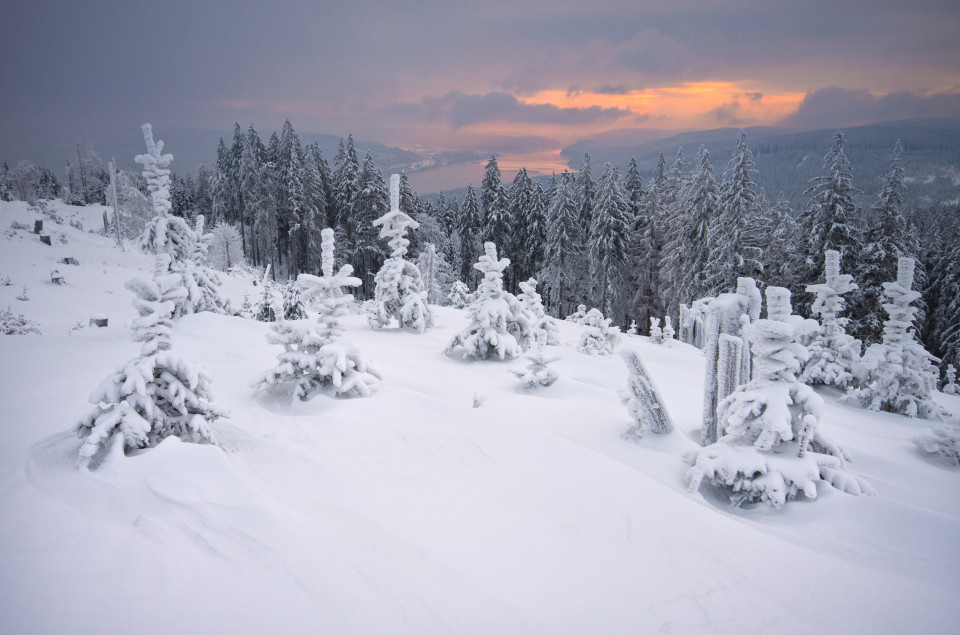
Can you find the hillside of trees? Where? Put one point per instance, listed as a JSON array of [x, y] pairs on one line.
[[634, 246]]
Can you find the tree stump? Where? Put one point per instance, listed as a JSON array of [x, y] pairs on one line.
[[98, 321], [37, 226], [45, 239]]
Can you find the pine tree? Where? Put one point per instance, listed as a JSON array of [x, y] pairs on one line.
[[400, 294], [598, 337], [497, 225], [609, 238], [293, 306], [372, 202], [833, 353], [316, 358], [157, 394], [900, 374], [490, 313], [563, 247], [733, 252], [832, 219], [885, 244], [783, 263], [469, 230]]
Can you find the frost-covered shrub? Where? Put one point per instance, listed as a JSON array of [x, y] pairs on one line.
[[399, 294], [490, 313], [459, 295], [942, 442], [537, 373], [833, 353], [225, 246], [598, 337], [316, 358], [17, 324], [5, 281], [771, 448], [577, 316], [898, 374], [155, 395], [643, 400]]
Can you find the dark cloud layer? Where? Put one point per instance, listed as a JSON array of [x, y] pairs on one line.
[[836, 108]]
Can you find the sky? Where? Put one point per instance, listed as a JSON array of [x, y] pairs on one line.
[[522, 79]]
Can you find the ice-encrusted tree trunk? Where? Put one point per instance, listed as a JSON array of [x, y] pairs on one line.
[[316, 358], [899, 375], [643, 400], [399, 294], [490, 313], [727, 313], [728, 365], [833, 353], [154, 395], [770, 448]]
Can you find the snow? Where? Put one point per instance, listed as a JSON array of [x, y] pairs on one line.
[[411, 511]]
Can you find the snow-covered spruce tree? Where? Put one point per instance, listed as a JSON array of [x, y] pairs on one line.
[[643, 400], [399, 293], [668, 332], [656, 333], [537, 373], [543, 326], [771, 449], [598, 337], [459, 295], [491, 313], [154, 395], [265, 310], [833, 353], [950, 386], [293, 307], [171, 235], [942, 442], [899, 375], [315, 358]]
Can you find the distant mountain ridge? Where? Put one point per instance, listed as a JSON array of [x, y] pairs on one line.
[[786, 160]]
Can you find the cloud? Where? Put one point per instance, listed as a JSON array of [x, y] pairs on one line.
[[459, 110], [837, 108]]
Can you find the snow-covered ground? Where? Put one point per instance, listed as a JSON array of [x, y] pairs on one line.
[[413, 511]]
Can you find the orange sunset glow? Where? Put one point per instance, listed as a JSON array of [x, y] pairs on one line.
[[684, 105]]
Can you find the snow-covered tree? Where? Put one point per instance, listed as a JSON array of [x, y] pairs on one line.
[[226, 247], [668, 332], [293, 306], [437, 273], [469, 231], [164, 233], [562, 258], [770, 448], [833, 353], [543, 327], [265, 311], [656, 333], [459, 295], [537, 374], [316, 358], [950, 386], [399, 294], [157, 394], [598, 337], [578, 316], [941, 442], [490, 313], [609, 239], [643, 400], [899, 375], [496, 222]]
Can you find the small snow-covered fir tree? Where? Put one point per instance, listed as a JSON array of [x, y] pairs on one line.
[[770, 447], [399, 294], [643, 400], [941, 442], [633, 328], [833, 353], [899, 375], [542, 326], [656, 333], [950, 386], [293, 307], [246, 309], [668, 332], [154, 395], [317, 358], [537, 373], [491, 313], [598, 337], [16, 324], [265, 311], [459, 295]]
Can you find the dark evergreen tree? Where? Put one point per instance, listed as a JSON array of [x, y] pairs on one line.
[[372, 202], [562, 257], [469, 230], [734, 252], [609, 238]]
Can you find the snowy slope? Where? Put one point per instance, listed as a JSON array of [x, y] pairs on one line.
[[413, 511]]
